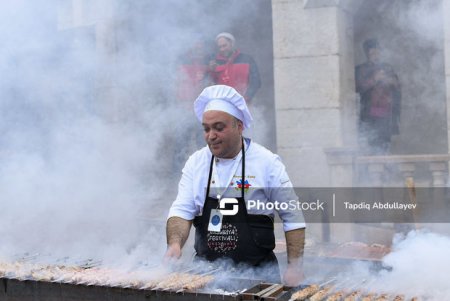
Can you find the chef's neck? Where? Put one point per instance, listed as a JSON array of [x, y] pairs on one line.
[[236, 150]]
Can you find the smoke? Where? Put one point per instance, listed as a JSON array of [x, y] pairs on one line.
[[87, 133], [411, 39], [413, 268]]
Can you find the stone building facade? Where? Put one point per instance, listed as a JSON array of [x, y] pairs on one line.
[[307, 51]]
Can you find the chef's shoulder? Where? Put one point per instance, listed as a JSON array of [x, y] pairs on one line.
[[270, 166], [264, 156]]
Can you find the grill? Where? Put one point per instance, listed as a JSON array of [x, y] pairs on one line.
[[23, 281], [24, 290]]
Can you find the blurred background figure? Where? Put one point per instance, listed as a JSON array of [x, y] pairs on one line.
[[192, 77], [235, 69], [192, 73], [380, 96]]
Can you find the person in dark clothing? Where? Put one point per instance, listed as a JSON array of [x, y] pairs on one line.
[[233, 68], [380, 97]]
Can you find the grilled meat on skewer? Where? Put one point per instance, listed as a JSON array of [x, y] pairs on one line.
[[198, 283], [383, 297], [305, 293], [183, 281], [369, 297], [335, 296], [176, 280], [399, 298], [353, 296], [320, 294]]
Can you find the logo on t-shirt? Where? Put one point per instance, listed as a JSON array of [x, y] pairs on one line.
[[239, 185]]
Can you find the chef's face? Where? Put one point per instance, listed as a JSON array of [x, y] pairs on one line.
[[225, 46], [222, 133]]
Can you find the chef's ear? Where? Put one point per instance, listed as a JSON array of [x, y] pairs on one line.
[[240, 125]]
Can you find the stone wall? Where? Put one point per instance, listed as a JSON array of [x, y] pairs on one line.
[[313, 86], [446, 6]]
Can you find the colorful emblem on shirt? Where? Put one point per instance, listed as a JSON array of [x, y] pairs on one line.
[[246, 185]]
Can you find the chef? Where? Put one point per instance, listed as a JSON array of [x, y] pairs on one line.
[[217, 185]]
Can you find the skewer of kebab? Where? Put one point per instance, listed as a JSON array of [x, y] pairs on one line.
[[52, 273], [335, 296], [201, 280], [399, 298], [353, 296], [160, 280], [178, 282], [45, 274], [20, 271], [303, 294], [158, 285], [175, 280], [133, 279], [199, 283], [321, 294], [382, 297], [368, 297]]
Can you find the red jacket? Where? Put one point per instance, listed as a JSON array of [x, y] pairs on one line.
[[238, 71]]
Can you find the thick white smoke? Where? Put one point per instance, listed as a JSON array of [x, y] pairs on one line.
[[413, 268], [89, 120], [412, 41]]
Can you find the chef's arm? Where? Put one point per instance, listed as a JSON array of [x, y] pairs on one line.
[[295, 244], [177, 231]]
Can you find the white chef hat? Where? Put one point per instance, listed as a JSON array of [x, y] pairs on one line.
[[227, 35], [223, 98]]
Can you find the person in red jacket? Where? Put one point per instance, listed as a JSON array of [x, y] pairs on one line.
[[380, 97], [192, 76], [193, 73], [233, 68]]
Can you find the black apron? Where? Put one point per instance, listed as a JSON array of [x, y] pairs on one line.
[[244, 238]]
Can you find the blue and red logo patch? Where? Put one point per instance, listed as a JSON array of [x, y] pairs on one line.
[[239, 185]]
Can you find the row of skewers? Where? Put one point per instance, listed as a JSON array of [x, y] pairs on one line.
[[317, 292], [154, 279]]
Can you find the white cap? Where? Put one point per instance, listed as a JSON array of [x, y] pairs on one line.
[[223, 98], [227, 35]]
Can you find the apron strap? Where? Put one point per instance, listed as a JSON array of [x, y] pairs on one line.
[[209, 177], [243, 169]]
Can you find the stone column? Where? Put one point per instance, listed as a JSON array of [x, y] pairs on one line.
[[314, 92], [314, 85], [439, 172], [446, 13], [341, 162]]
